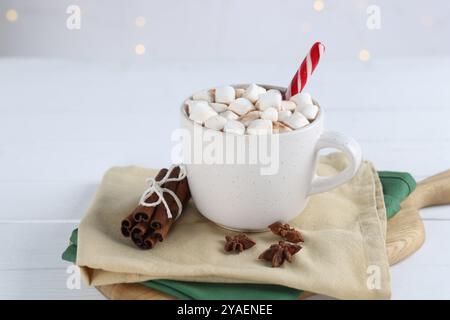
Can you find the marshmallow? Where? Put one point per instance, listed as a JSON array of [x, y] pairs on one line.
[[241, 106], [260, 127], [310, 111], [253, 91], [225, 94], [249, 117], [302, 99], [233, 126], [275, 91], [216, 122], [283, 114], [270, 99], [200, 111], [229, 115], [279, 127], [288, 105], [270, 114], [296, 121], [219, 107], [205, 95], [239, 92]]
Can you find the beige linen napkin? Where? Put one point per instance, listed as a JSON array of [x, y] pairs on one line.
[[343, 256]]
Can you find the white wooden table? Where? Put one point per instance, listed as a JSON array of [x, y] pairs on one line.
[[63, 123]]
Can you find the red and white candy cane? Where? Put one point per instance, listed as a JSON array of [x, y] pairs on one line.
[[307, 67]]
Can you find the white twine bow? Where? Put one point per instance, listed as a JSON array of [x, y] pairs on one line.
[[156, 187]]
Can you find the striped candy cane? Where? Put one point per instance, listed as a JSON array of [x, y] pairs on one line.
[[307, 67]]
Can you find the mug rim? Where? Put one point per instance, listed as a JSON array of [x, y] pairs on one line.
[[309, 126]]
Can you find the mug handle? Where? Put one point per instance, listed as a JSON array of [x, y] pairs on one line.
[[350, 148]]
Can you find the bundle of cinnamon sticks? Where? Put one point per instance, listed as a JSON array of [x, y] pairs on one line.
[[148, 225]]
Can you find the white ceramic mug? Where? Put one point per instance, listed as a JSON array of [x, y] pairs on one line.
[[237, 196]]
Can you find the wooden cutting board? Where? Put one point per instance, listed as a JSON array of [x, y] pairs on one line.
[[405, 235]]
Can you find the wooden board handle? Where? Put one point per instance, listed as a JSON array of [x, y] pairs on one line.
[[432, 191]]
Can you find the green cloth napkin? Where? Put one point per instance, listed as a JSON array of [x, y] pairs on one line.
[[396, 187]]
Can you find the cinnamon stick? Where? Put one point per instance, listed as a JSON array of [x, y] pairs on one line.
[[160, 217], [138, 233], [141, 213], [184, 195], [150, 241], [148, 225], [125, 231], [142, 233]]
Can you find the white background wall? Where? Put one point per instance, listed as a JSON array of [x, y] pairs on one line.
[[266, 30]]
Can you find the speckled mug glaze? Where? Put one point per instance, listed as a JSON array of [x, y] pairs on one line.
[[238, 197]]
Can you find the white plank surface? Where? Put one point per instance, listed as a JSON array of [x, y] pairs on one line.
[[63, 123]]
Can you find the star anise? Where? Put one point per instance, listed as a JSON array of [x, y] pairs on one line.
[[278, 253], [238, 243], [286, 232]]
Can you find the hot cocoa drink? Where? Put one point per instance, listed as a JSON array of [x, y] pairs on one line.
[[252, 110]]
